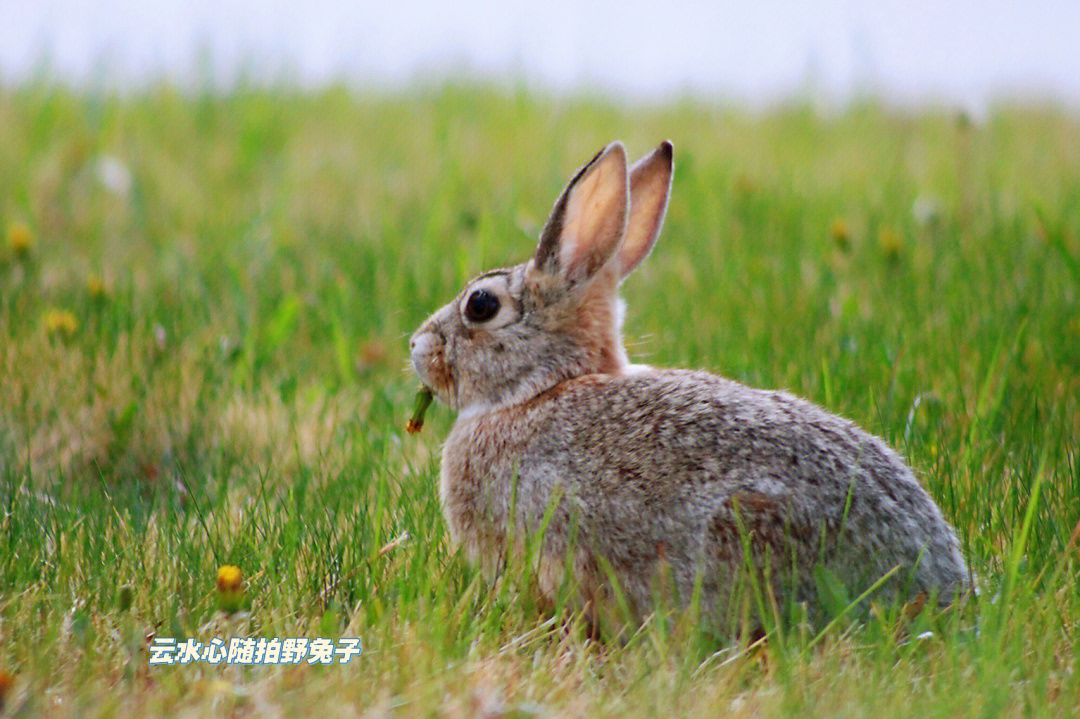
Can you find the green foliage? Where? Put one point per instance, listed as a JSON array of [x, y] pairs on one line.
[[229, 388]]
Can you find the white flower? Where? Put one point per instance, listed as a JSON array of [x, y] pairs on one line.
[[113, 174], [926, 211]]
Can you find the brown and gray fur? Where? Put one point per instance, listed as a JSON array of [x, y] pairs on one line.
[[653, 476]]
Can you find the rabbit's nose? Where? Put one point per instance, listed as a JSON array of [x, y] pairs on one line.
[[424, 343], [423, 331], [421, 342]]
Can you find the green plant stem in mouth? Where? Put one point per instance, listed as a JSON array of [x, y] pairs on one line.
[[420, 406]]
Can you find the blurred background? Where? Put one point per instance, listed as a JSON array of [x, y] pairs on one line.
[[262, 201], [959, 51]]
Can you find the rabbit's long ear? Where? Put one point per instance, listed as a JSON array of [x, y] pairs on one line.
[[589, 219], [650, 186]]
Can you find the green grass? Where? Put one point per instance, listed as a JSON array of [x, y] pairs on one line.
[[234, 389]]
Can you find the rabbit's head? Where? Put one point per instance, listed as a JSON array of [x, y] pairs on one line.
[[513, 333]]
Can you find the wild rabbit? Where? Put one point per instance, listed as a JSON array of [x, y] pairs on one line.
[[641, 476]]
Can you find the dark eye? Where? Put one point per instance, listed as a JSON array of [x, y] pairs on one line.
[[481, 306]]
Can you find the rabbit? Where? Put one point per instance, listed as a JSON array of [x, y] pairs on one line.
[[649, 483]]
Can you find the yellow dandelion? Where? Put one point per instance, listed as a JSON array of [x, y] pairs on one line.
[[890, 242], [230, 586], [229, 579], [95, 287], [61, 322], [840, 233], [20, 238]]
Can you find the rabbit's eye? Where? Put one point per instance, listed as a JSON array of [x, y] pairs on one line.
[[481, 306]]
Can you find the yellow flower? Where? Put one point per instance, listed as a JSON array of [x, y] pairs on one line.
[[229, 579], [890, 242], [230, 586], [61, 322], [95, 287], [20, 238], [840, 233]]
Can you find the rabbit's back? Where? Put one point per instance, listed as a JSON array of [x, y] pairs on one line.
[[648, 474], [685, 470]]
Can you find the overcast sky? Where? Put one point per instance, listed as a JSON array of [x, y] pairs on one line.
[[952, 50]]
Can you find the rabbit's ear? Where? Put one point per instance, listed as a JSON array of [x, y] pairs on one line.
[[589, 219], [650, 186]]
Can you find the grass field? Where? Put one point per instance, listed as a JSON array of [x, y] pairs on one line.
[[204, 310]]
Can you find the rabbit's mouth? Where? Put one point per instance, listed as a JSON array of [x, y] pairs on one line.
[[429, 360]]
